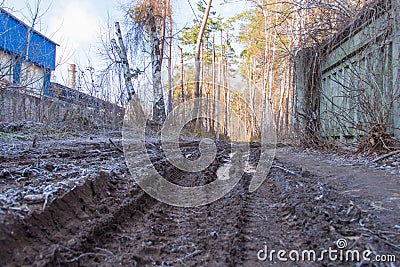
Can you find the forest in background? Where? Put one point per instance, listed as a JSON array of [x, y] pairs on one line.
[[245, 62], [260, 44]]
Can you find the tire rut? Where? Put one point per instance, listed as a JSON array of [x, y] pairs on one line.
[[110, 221]]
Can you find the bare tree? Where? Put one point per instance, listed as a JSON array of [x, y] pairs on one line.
[[148, 32], [199, 42], [121, 51], [170, 89], [159, 105]]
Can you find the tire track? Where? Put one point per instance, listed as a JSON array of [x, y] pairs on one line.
[[110, 221]]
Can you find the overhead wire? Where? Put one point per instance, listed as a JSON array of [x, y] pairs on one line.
[[190, 4]]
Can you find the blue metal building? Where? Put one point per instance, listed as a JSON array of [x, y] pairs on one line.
[[25, 45]]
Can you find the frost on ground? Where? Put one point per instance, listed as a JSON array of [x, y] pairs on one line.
[[68, 199]]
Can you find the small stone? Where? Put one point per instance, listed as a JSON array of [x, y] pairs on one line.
[[71, 242], [26, 172], [33, 199], [4, 173], [214, 234], [49, 167]]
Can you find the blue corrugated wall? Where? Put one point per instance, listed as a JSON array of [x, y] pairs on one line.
[[13, 34], [41, 51]]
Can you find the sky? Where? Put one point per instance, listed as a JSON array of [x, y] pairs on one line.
[[76, 25]]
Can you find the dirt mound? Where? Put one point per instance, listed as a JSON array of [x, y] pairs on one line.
[[63, 218]]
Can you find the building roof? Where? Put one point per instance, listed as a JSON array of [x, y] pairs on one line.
[[13, 40], [2, 10]]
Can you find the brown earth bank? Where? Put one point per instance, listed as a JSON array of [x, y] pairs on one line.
[[73, 202]]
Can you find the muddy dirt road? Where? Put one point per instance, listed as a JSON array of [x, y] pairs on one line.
[[74, 203]]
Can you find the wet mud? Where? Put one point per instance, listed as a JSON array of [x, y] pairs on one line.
[[101, 217]]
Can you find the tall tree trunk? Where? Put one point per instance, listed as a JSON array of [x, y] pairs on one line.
[[182, 83], [219, 90], [170, 89], [213, 84], [121, 51], [164, 10], [265, 74], [201, 84], [252, 106], [159, 105], [182, 77], [226, 87], [227, 98], [270, 107], [197, 92]]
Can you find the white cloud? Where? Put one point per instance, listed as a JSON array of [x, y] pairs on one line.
[[76, 22], [76, 26]]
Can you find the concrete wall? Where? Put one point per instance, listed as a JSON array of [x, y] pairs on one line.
[[396, 66], [358, 77], [17, 105]]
